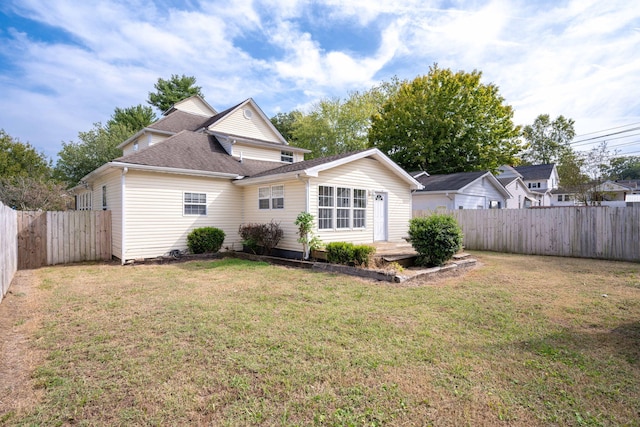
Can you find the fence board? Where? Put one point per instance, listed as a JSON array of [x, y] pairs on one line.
[[50, 238], [588, 232], [8, 248]]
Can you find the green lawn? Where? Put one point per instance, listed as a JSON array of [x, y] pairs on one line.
[[517, 341]]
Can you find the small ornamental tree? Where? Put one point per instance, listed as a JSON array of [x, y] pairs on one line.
[[309, 241], [436, 238], [205, 239]]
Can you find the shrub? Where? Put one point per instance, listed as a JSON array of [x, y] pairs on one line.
[[265, 236], [362, 254], [348, 253], [436, 238], [205, 239]]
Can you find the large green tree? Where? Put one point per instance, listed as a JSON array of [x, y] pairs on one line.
[[94, 148], [172, 90], [624, 168], [135, 118], [547, 140], [285, 123], [21, 158], [446, 122], [335, 125]]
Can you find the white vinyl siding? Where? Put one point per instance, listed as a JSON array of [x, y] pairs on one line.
[[156, 223], [295, 194], [368, 175], [236, 124], [113, 182], [194, 106]]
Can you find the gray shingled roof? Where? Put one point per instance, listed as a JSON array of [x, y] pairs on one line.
[[448, 182], [535, 171], [298, 166], [178, 121], [507, 181], [195, 151]]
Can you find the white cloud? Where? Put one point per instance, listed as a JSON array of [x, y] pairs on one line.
[[578, 58]]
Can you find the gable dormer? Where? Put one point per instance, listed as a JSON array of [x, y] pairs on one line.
[[194, 104], [248, 120]]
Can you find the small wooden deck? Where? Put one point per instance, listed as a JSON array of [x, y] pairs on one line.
[[398, 252]]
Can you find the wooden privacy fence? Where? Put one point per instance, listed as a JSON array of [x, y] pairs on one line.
[[611, 233], [8, 247], [50, 238]]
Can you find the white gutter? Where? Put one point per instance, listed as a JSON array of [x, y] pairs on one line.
[[275, 177], [177, 171]]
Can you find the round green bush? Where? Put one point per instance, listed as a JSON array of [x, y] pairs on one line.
[[436, 238], [205, 239]]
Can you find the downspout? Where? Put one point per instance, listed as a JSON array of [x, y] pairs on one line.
[[123, 235]]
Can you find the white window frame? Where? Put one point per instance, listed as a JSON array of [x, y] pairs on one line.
[[271, 197], [194, 200], [360, 207], [326, 206], [264, 198], [338, 205], [277, 196], [286, 156]]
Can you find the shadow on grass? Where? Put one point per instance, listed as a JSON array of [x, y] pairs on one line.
[[580, 348]]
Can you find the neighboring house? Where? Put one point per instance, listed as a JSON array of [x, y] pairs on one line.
[[464, 190], [564, 197], [614, 193], [521, 196], [541, 180], [195, 167]]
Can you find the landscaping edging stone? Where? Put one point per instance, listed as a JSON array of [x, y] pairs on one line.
[[407, 275]]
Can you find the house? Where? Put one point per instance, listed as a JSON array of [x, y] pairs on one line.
[[464, 190], [608, 193], [196, 167], [564, 197], [521, 196], [541, 180]]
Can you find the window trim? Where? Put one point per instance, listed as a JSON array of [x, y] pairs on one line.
[[191, 203], [286, 156], [272, 197], [332, 207]]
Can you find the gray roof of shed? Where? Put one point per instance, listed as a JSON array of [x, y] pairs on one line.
[[449, 182]]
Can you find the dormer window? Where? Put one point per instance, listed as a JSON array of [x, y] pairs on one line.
[[286, 156], [135, 146]]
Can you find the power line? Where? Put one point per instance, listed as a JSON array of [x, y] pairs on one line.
[[604, 136], [606, 130]]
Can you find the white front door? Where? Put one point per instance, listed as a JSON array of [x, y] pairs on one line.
[[380, 217]]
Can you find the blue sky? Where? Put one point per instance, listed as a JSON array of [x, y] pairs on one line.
[[66, 64]]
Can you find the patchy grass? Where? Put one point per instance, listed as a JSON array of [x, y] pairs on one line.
[[519, 341]]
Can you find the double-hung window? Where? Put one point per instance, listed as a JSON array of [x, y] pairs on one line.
[[325, 207], [359, 208], [344, 207], [341, 207], [195, 203], [271, 197], [277, 197]]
